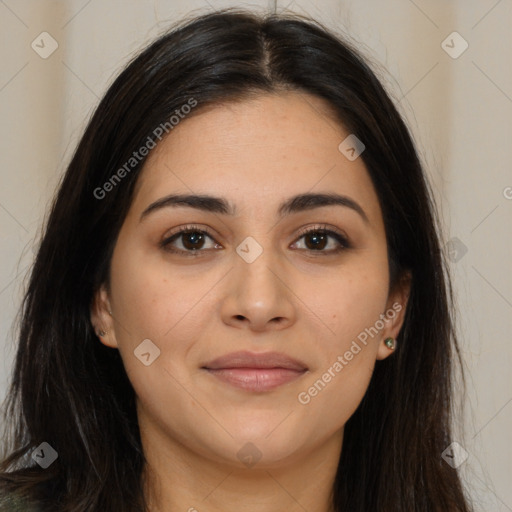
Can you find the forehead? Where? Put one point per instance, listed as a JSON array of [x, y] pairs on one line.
[[256, 152]]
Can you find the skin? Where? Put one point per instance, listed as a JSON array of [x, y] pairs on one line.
[[309, 305]]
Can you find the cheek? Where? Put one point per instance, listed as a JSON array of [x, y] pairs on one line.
[[351, 306], [152, 305], [172, 309], [334, 394], [153, 298], [349, 301]]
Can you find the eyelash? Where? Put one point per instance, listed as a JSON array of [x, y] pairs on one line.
[[341, 239]]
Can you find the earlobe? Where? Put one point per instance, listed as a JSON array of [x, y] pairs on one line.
[[386, 347]]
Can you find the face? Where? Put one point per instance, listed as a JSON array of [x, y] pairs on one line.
[[294, 299]]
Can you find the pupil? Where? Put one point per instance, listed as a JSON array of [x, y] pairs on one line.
[[319, 240], [194, 238]]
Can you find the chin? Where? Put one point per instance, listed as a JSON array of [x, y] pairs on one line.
[[260, 454], [271, 442], [261, 424]]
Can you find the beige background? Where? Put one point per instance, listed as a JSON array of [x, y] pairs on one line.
[[459, 109]]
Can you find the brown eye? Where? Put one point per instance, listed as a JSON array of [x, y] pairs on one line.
[[191, 239], [317, 239]]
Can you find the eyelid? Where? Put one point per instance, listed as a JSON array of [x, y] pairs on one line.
[[166, 241], [188, 227], [324, 228], [342, 239]]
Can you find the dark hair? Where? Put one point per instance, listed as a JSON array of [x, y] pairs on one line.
[[71, 391]]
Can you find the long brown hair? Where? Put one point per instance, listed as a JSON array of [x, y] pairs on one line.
[[72, 392]]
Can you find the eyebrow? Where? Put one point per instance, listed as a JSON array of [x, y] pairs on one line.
[[295, 204]]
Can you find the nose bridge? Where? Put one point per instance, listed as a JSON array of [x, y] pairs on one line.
[[258, 292], [256, 267]]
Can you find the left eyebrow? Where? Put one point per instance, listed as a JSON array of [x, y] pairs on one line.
[[295, 204], [310, 201]]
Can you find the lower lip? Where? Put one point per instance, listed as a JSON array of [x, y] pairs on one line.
[[256, 379]]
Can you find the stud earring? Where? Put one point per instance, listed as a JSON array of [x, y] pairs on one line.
[[390, 343], [102, 333]]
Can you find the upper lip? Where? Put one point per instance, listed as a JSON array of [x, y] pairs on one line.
[[244, 359]]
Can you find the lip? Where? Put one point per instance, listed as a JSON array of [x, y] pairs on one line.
[[256, 372]]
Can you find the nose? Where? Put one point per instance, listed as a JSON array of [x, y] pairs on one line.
[[259, 296]]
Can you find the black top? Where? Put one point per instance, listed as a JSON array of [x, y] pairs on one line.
[[13, 503]]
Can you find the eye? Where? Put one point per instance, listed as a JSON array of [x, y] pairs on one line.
[[192, 241], [317, 239]]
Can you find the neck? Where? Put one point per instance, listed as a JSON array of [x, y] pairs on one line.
[[177, 478]]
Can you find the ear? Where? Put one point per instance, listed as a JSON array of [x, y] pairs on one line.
[[101, 317], [395, 313]]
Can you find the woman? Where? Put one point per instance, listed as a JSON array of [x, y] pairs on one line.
[[239, 300]]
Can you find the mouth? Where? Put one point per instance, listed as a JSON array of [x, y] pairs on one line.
[[256, 372]]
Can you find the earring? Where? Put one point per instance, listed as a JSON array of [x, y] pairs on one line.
[[102, 333], [390, 343]]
